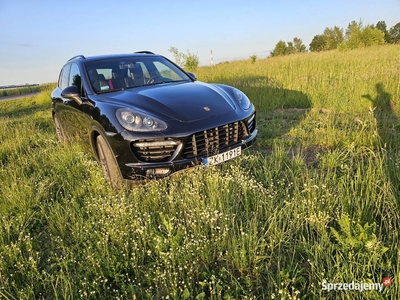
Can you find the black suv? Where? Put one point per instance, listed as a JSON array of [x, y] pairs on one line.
[[144, 117]]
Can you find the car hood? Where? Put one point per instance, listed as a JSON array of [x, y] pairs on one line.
[[186, 102]]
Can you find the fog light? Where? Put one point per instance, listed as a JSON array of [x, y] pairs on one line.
[[162, 171], [156, 144], [157, 172]]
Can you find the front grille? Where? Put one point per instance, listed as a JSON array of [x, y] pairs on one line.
[[209, 142], [155, 150]]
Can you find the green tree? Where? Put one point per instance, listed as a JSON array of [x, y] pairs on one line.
[[330, 39], [299, 47], [353, 29], [253, 58], [395, 33], [178, 56], [290, 48], [358, 36], [318, 43], [280, 49], [371, 36], [381, 25], [191, 61], [333, 37]]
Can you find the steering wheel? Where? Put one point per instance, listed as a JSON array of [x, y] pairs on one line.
[[152, 79]]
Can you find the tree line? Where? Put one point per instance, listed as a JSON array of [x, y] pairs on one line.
[[355, 36]]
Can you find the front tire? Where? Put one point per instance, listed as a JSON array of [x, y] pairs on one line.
[[108, 163]]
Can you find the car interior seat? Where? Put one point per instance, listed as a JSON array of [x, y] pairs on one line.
[[137, 73], [118, 80], [98, 81]]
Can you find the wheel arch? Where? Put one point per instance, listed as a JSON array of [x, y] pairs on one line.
[[113, 173], [96, 131]]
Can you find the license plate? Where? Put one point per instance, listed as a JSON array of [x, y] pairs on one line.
[[220, 158]]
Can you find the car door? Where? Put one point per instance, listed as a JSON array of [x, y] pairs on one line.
[[73, 116], [58, 101]]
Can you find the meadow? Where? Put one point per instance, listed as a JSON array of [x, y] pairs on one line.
[[315, 201], [24, 90]]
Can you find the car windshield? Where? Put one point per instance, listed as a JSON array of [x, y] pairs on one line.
[[114, 74]]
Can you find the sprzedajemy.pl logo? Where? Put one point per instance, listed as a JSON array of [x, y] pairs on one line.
[[356, 286]]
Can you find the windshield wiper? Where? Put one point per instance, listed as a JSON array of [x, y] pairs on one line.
[[169, 81], [110, 91]]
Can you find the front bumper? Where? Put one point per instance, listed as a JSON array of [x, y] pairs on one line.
[[150, 170]]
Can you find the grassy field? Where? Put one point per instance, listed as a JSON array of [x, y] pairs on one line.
[[24, 90], [315, 201]]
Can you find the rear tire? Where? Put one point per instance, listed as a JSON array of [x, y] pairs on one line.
[[108, 163]]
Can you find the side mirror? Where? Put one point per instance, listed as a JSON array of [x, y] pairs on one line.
[[72, 92], [192, 75]]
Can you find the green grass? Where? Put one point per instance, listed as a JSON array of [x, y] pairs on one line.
[[316, 199], [24, 90]]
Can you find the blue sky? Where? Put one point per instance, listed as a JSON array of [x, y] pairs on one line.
[[38, 37]]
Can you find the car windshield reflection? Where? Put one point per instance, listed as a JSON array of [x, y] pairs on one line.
[[111, 75]]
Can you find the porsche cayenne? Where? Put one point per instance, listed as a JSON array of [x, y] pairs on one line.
[[143, 117]]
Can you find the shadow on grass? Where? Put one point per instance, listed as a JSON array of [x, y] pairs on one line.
[[278, 109], [389, 133], [384, 113]]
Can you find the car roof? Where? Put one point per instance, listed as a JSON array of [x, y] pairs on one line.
[[107, 56]]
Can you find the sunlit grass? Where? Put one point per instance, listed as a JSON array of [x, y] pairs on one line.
[[315, 200], [24, 90]]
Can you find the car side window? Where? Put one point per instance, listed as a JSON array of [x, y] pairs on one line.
[[64, 77], [75, 78], [60, 78]]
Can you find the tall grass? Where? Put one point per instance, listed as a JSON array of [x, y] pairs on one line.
[[316, 200], [24, 90]]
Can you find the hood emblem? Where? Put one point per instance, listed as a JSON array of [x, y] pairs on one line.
[[206, 108]]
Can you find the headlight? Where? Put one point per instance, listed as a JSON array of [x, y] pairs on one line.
[[137, 121], [242, 99]]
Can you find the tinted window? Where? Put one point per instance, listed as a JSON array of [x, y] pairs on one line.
[[75, 77], [65, 77], [60, 78]]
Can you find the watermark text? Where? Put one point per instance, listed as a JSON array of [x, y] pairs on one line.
[[356, 286]]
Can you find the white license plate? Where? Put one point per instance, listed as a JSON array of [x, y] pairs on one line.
[[220, 158]]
